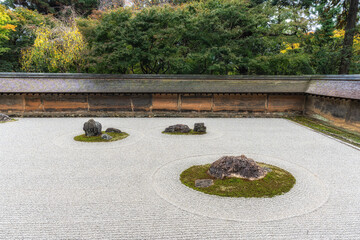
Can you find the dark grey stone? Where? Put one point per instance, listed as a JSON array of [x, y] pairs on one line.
[[236, 166], [92, 128], [106, 136], [203, 183], [199, 127], [178, 128], [114, 130], [4, 118]]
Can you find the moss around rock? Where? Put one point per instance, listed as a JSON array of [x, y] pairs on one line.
[[12, 120], [276, 182], [115, 137], [192, 132], [182, 129]]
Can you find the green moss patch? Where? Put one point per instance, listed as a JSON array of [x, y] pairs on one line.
[[276, 182], [12, 120], [342, 134], [192, 132], [115, 137]]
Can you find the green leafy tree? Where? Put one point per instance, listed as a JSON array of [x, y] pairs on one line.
[[210, 37], [23, 36], [335, 14], [5, 29]]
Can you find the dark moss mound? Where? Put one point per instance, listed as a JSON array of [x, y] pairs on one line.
[[276, 182], [192, 132], [115, 137]]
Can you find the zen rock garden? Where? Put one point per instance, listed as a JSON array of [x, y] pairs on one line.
[[238, 176], [229, 176], [149, 179], [182, 129], [93, 133]]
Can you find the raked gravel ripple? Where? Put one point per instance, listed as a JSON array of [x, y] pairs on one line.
[[308, 194], [52, 187]]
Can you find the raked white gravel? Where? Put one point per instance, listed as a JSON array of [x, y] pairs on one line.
[[52, 187]]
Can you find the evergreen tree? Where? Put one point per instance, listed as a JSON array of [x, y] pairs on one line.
[[350, 30]]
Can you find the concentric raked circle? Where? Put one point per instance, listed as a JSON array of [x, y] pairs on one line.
[[308, 194], [67, 141]]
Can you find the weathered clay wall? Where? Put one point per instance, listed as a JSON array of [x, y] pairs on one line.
[[333, 98], [23, 104], [338, 111]]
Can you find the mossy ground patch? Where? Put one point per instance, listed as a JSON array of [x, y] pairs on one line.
[[115, 137], [12, 120], [192, 132], [276, 182], [336, 132]]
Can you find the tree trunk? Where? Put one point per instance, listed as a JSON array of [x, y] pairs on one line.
[[346, 52]]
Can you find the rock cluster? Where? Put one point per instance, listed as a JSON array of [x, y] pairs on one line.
[[178, 128], [4, 118], [236, 166], [182, 128], [92, 128], [199, 127], [114, 130]]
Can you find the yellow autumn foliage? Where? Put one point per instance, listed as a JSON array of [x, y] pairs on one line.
[[356, 44], [55, 50], [290, 46]]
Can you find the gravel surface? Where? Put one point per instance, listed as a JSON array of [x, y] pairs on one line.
[[52, 187]]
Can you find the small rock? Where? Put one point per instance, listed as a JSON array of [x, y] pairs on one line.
[[267, 169], [236, 166], [92, 128], [199, 127], [178, 128], [106, 137], [114, 130], [203, 183], [4, 118]]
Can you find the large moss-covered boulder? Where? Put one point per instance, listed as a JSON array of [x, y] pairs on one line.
[[236, 166], [92, 128]]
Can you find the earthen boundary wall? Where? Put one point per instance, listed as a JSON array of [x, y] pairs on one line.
[[332, 98]]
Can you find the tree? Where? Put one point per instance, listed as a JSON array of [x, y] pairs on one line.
[[207, 37], [59, 49], [5, 29], [350, 31], [22, 36]]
